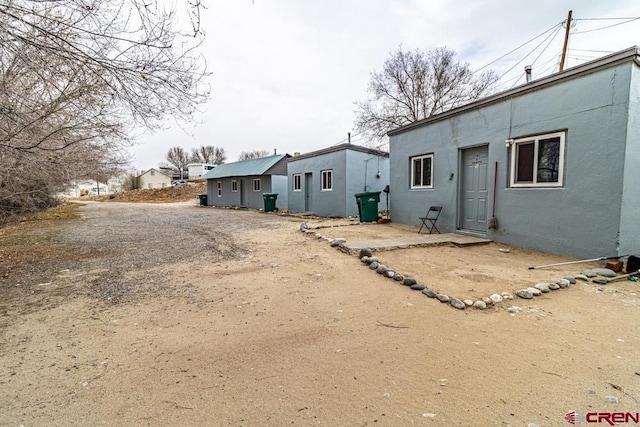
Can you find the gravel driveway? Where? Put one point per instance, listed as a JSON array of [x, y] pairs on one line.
[[123, 252], [139, 235]]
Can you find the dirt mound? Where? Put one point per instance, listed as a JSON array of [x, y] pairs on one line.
[[181, 193]]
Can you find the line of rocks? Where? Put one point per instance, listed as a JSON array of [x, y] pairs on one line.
[[366, 257]]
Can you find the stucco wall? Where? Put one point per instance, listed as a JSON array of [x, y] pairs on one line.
[[229, 198], [352, 172], [582, 218], [323, 203], [366, 172], [630, 211], [279, 185]]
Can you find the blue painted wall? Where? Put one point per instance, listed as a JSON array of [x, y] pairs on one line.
[[630, 209], [352, 171], [588, 216], [229, 198]]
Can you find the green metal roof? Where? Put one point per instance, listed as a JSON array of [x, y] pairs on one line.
[[244, 168]]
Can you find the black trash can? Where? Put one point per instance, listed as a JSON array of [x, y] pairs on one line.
[[203, 199], [368, 205], [270, 202]]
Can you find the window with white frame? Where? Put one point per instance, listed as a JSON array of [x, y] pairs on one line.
[[422, 171], [538, 161], [219, 188], [234, 185], [297, 182], [257, 184], [327, 180]]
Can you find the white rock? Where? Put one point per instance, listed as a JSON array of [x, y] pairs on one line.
[[496, 298], [542, 287], [506, 296], [534, 291], [480, 305]]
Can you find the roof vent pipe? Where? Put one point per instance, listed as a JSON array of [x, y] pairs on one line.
[[527, 72]]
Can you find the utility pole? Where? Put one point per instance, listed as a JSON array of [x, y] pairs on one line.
[[566, 41]]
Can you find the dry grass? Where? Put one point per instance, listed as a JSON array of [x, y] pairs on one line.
[[35, 239]]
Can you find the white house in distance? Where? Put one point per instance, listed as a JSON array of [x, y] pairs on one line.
[[153, 178], [196, 170]]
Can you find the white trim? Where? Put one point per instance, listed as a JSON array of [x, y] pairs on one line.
[[219, 188], [535, 140], [234, 185], [293, 179], [411, 183], [259, 181], [329, 173]]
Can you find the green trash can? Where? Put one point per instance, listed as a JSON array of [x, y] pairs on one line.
[[270, 202], [203, 199], [368, 205]]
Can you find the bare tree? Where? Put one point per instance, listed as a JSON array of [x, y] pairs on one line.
[[254, 154], [416, 85], [77, 75], [208, 154], [177, 159]]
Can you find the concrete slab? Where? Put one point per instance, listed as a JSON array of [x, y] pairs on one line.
[[421, 240]]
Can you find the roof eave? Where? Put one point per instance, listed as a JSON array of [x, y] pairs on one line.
[[632, 53]]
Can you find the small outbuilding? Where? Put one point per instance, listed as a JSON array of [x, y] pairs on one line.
[[244, 183], [325, 182]]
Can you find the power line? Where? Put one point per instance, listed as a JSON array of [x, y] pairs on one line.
[[607, 19], [519, 47], [590, 50], [604, 28], [557, 27]]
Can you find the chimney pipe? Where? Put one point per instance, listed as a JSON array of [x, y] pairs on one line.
[[527, 72]]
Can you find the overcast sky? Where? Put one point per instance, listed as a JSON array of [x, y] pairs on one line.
[[286, 73]]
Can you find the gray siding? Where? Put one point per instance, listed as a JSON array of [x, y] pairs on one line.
[[229, 198], [367, 172], [349, 178], [279, 185], [630, 209], [582, 218]]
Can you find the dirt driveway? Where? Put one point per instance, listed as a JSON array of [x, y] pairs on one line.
[[172, 314]]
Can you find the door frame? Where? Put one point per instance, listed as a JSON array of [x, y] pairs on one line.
[[308, 188], [460, 201]]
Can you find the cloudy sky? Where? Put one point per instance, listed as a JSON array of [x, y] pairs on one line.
[[286, 73]]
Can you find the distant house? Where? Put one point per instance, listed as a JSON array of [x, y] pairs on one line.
[[564, 151], [244, 183], [196, 170], [325, 181], [153, 178]]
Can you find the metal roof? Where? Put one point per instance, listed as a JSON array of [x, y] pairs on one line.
[[630, 54], [244, 168], [338, 148]]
